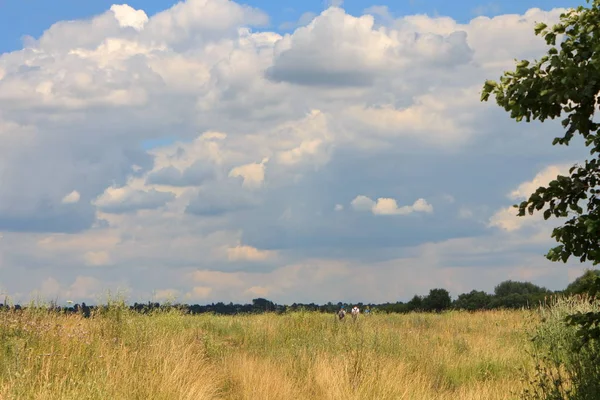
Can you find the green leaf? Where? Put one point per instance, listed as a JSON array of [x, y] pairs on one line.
[[539, 27]]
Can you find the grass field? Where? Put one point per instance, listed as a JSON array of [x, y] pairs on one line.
[[123, 355]]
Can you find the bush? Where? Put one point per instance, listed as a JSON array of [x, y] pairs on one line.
[[566, 367]]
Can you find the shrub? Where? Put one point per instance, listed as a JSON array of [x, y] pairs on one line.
[[566, 367]]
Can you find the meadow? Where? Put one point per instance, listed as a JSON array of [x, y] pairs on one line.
[[119, 354]]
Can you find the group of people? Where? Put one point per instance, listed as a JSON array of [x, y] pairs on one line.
[[355, 311]]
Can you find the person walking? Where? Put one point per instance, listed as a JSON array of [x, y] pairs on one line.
[[355, 312]]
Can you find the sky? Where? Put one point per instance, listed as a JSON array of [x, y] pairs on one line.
[[211, 151]]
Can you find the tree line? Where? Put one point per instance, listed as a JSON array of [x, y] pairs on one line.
[[507, 295]]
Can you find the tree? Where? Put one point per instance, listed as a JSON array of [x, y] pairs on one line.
[[262, 305], [564, 83], [437, 300], [583, 284], [415, 303], [515, 287], [474, 300]]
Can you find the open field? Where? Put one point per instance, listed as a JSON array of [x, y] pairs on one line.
[[124, 355]]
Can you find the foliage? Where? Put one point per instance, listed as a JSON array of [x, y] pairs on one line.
[[562, 373], [416, 303], [565, 82], [584, 283], [437, 300], [514, 287], [263, 304], [474, 300]]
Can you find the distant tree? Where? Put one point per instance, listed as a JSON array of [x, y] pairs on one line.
[[583, 284], [474, 300], [515, 301], [263, 305], [514, 287], [437, 300], [414, 304], [515, 294]]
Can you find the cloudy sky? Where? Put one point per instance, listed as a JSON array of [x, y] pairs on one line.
[[217, 151]]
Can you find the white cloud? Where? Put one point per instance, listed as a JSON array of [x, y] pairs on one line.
[[507, 219], [247, 253], [362, 203], [312, 55], [125, 199], [543, 178], [253, 174], [388, 206], [127, 16], [72, 197]]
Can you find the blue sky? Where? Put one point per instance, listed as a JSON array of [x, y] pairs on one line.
[[316, 158]]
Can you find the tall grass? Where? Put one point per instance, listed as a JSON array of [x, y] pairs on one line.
[[46, 355], [117, 354], [565, 369]]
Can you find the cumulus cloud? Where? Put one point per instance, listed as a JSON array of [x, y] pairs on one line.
[[125, 199], [362, 203], [256, 138], [543, 178], [72, 197], [388, 206], [507, 219], [129, 17], [253, 175], [313, 56], [247, 253]]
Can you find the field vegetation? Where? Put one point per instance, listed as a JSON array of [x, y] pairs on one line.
[[121, 354]]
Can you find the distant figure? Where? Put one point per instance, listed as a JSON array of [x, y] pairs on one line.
[[367, 310], [355, 312], [83, 310], [341, 314]]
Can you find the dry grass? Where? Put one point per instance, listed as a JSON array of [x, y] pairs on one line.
[[122, 355]]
